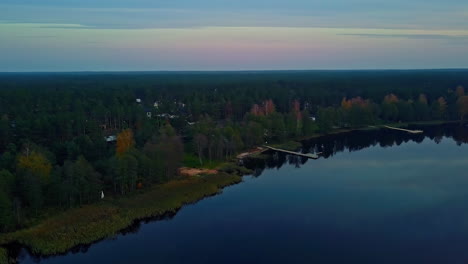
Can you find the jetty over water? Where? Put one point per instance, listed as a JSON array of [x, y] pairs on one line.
[[306, 155], [405, 130]]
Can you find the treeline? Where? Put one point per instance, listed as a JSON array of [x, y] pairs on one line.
[[67, 139], [221, 140], [215, 140], [358, 112], [34, 180]]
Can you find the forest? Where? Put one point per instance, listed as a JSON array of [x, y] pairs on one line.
[[68, 138]]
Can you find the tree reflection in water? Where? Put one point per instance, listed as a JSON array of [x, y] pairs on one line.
[[330, 145]]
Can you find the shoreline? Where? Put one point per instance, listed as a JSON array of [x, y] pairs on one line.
[[379, 126], [95, 222], [92, 223]]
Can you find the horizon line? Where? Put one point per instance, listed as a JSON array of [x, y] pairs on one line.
[[234, 71]]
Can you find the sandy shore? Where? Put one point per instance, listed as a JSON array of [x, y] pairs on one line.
[[194, 172]]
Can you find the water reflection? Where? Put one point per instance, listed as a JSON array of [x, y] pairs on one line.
[[330, 145]]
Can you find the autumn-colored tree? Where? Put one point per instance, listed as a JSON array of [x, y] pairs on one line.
[[356, 101], [442, 105], [346, 104], [390, 98], [256, 110], [269, 107], [35, 163], [125, 141], [355, 111], [360, 102], [33, 172]]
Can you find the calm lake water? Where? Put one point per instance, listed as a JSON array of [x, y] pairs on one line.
[[376, 197]]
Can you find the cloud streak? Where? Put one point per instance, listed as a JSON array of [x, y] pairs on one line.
[[38, 36], [450, 38], [344, 14]]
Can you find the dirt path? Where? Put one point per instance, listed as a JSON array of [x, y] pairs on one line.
[[194, 172]]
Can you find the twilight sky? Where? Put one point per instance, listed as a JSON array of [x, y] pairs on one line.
[[121, 35]]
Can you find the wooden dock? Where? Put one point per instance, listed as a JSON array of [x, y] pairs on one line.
[[405, 130], [251, 152], [308, 155]]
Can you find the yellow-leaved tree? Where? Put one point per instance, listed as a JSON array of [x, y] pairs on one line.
[[36, 163], [125, 142]]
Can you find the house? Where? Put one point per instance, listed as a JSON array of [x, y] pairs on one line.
[[156, 105], [111, 138], [165, 115], [179, 104], [138, 100], [312, 118], [149, 112]]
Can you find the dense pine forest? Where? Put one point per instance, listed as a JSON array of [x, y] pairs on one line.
[[68, 138]]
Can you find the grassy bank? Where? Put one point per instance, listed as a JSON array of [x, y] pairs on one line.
[[94, 222]]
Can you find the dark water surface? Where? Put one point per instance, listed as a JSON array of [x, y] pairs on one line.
[[376, 197]]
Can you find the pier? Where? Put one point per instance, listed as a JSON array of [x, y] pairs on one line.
[[405, 130], [306, 155], [256, 151]]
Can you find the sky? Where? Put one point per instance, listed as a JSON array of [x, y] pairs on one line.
[[173, 35]]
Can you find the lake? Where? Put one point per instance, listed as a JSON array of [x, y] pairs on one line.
[[375, 197]]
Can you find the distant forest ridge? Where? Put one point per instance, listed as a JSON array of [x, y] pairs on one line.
[[321, 87], [359, 80]]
